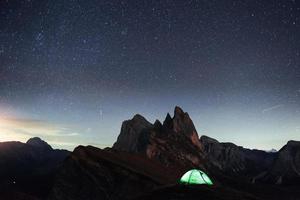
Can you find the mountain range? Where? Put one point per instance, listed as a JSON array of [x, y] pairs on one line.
[[27, 170], [146, 162]]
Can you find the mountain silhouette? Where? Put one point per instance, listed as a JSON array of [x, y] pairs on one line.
[[28, 169], [146, 162]]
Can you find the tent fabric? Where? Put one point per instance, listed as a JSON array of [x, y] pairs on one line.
[[195, 176]]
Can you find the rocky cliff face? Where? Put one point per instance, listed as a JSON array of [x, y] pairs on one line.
[[181, 123], [132, 131], [175, 142], [286, 166], [235, 160]]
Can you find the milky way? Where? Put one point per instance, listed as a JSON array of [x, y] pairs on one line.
[[84, 66]]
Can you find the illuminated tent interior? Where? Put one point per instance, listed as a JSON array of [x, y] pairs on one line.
[[195, 176]]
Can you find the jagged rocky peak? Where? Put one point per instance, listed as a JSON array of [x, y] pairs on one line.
[[38, 142], [175, 142], [182, 123], [157, 124], [168, 121], [139, 118], [137, 131], [131, 130], [138, 123], [178, 110]]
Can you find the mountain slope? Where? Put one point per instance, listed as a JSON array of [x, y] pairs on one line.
[[286, 167], [182, 192], [235, 160], [28, 168], [92, 173]]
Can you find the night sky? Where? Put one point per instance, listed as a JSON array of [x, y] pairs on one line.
[[72, 70]]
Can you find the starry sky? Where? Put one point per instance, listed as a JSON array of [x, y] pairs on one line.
[[72, 70]]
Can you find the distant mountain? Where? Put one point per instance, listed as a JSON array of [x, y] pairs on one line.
[[272, 151], [235, 160], [27, 169], [39, 143], [286, 167]]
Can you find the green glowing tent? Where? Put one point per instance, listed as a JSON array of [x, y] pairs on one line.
[[195, 176]]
